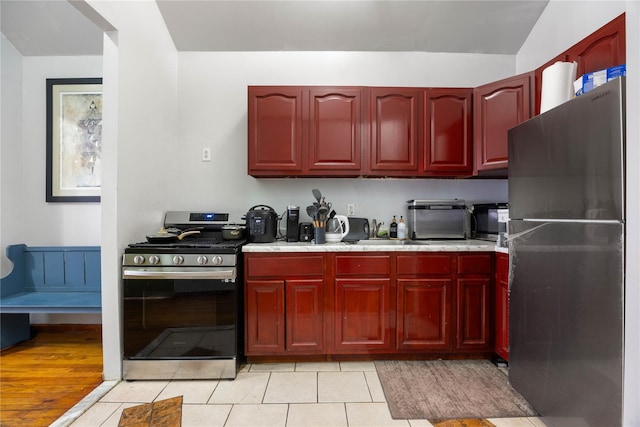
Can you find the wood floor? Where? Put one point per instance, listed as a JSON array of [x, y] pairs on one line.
[[44, 377]]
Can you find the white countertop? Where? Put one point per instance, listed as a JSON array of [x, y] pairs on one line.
[[385, 246]]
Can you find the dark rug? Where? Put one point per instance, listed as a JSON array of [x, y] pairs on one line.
[[449, 389]]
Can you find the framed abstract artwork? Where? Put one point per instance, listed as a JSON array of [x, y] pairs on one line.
[[74, 140]]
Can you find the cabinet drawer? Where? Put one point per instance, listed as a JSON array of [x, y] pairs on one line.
[[474, 263], [350, 265], [285, 266], [424, 264]]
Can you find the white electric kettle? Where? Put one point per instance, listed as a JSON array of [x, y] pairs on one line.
[[337, 227]]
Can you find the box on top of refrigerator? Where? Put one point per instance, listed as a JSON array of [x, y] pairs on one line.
[[590, 81]]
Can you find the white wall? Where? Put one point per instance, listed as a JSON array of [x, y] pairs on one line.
[[11, 207], [139, 131], [212, 112]]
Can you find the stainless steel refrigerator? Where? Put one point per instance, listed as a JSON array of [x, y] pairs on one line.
[[566, 246]]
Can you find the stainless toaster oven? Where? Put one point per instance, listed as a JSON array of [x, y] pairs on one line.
[[438, 219]]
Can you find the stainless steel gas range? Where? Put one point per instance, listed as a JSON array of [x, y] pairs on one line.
[[182, 302]]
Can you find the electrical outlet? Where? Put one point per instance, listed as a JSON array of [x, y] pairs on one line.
[[206, 154], [351, 209]]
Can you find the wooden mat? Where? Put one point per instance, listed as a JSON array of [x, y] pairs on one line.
[[163, 413]]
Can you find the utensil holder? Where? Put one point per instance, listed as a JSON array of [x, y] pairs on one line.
[[319, 235]]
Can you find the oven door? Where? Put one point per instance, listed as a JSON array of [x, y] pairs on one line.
[[187, 313]]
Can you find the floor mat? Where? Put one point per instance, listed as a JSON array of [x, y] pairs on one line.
[[449, 389]]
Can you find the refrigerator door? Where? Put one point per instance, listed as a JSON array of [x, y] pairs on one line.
[[566, 320], [568, 162]]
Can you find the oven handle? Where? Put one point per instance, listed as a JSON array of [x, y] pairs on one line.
[[217, 274]]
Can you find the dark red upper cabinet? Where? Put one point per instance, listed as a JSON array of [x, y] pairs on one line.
[[335, 142], [498, 107], [394, 131], [602, 49], [276, 131], [448, 148]]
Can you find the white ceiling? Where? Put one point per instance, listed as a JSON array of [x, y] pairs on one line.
[[56, 27]]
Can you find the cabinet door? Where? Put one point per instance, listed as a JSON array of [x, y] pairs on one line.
[[264, 317], [472, 314], [334, 130], [424, 310], [449, 138], [499, 106], [502, 306], [362, 317], [276, 131], [394, 126], [602, 49], [304, 327]]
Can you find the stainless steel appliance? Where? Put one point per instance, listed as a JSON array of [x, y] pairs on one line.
[[438, 219], [567, 234], [262, 224], [293, 218], [488, 220], [183, 303]]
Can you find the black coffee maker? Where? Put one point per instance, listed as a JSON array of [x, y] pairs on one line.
[[293, 218]]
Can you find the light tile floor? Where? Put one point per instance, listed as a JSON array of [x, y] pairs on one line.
[[335, 394]]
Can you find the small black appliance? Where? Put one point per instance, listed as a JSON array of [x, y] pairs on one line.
[[306, 232], [293, 216], [262, 224]]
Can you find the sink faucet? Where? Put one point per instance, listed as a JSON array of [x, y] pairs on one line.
[[375, 228]]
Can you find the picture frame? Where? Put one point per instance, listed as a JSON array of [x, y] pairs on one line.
[[74, 140]]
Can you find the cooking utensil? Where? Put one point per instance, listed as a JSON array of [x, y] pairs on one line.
[[163, 236], [233, 231], [312, 211], [317, 194]]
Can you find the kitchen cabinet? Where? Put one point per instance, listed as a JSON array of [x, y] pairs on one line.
[[362, 301], [304, 131], [473, 302], [602, 49], [284, 307], [395, 131], [448, 142], [499, 106], [334, 131], [424, 302], [275, 131], [360, 131], [501, 333]]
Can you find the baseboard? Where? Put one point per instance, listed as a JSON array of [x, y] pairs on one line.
[[66, 327]]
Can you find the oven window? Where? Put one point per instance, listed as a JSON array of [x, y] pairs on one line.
[[182, 318]]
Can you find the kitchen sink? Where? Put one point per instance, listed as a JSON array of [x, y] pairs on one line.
[[394, 242], [382, 242]]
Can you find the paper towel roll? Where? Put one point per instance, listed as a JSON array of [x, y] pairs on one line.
[[557, 84]]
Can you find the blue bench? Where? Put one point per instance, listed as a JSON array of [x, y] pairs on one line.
[[47, 279]]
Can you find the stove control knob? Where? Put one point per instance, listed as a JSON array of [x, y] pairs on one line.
[[154, 259], [202, 260], [178, 259], [216, 260], [138, 259]]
